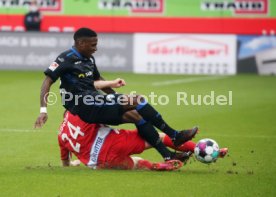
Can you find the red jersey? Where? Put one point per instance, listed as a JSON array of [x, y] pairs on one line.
[[96, 144], [77, 136]]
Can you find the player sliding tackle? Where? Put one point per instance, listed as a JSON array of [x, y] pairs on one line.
[[81, 79], [99, 146]]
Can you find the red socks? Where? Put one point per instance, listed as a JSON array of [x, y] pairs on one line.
[[144, 164], [187, 146]]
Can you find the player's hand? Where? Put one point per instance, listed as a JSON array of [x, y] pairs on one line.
[[75, 163], [40, 121], [118, 83]]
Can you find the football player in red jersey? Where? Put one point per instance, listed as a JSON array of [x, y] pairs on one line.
[[100, 146]]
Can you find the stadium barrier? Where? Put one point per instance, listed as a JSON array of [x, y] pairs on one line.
[[209, 54], [185, 54]]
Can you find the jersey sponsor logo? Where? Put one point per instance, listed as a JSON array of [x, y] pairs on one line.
[[83, 75], [90, 73], [53, 66], [238, 6], [97, 145], [134, 6]]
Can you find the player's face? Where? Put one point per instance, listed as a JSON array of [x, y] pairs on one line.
[[88, 46]]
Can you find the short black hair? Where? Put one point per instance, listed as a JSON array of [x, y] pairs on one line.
[[84, 32]]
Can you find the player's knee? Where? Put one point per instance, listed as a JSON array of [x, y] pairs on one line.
[[135, 161], [138, 99], [131, 117], [161, 136]]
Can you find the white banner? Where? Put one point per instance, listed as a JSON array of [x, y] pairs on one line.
[[185, 54]]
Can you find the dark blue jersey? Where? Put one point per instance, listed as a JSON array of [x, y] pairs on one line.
[[77, 74]]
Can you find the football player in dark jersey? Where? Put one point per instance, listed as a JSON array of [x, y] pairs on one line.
[[80, 85]]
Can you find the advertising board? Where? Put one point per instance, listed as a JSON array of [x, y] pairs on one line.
[[185, 54]]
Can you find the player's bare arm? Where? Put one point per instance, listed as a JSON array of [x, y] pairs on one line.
[[45, 88], [68, 162], [101, 84], [107, 90]]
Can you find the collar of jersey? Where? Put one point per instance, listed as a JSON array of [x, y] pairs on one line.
[[73, 49]]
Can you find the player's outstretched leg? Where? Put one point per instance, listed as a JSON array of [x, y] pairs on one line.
[[167, 165], [157, 166], [150, 114], [184, 147], [184, 136], [148, 132], [182, 156]]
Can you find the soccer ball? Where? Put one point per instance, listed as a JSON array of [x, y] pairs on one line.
[[206, 151]]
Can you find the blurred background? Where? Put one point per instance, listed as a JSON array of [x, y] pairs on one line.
[[221, 37], [157, 46]]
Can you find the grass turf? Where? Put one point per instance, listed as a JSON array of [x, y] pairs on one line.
[[30, 165]]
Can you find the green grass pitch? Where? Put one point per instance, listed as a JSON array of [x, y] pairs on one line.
[[30, 164]]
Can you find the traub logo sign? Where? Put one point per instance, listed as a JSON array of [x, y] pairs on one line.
[[134, 6], [44, 5], [237, 6]]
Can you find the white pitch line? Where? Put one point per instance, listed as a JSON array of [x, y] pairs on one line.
[[209, 134], [18, 130], [186, 80]]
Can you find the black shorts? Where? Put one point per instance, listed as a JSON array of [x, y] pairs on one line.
[[104, 109]]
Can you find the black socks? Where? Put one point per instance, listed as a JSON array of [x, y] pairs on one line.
[[150, 114], [148, 133]]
